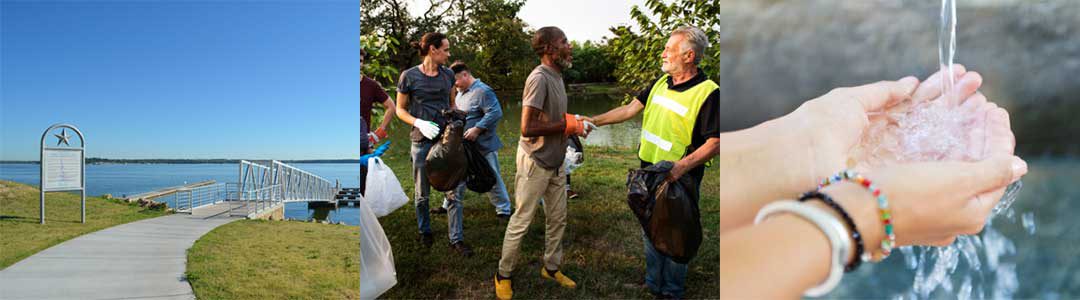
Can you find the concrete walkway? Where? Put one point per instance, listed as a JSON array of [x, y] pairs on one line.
[[139, 260]]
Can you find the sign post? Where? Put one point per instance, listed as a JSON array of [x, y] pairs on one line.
[[63, 169]]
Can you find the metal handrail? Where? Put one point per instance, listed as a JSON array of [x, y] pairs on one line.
[[188, 199], [302, 185], [261, 187]]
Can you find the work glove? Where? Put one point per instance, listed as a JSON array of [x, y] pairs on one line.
[[428, 128], [378, 152], [573, 126], [576, 125], [375, 137]]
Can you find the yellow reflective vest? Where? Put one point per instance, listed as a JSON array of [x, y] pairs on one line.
[[668, 125]]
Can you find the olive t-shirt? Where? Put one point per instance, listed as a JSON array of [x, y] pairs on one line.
[[544, 90]]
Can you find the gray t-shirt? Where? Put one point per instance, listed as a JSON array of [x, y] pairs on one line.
[[544, 90], [428, 96]]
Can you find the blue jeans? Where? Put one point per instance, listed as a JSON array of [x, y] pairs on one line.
[[663, 275], [422, 192], [498, 196]]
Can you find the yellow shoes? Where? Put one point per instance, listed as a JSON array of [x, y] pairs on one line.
[[503, 291], [559, 277]]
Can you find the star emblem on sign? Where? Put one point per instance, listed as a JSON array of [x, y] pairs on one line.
[[62, 138]]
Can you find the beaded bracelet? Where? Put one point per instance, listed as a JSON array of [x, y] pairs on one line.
[[855, 235], [883, 207]]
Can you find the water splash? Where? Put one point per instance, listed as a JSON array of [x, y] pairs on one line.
[[934, 132], [1007, 200], [965, 289], [1029, 222]]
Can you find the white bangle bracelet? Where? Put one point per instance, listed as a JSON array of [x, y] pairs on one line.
[[833, 229]]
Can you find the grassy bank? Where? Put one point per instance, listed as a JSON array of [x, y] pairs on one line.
[[21, 236], [254, 259]]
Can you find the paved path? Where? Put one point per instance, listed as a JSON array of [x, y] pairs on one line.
[[139, 260]]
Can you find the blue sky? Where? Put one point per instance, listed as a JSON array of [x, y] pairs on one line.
[[182, 79]]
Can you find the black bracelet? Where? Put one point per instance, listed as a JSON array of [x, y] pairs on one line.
[[854, 264]]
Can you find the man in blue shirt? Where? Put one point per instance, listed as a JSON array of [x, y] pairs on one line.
[[483, 113]]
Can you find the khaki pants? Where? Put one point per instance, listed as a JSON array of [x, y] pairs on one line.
[[533, 182]]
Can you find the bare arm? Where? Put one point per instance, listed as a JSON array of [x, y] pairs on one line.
[[534, 122], [388, 105], [619, 114], [401, 111], [778, 259], [533, 125], [453, 99], [785, 255], [707, 151], [749, 155]]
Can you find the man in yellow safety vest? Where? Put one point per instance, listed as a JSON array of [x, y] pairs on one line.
[[681, 124]]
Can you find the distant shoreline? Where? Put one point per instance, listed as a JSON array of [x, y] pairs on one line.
[[101, 161]]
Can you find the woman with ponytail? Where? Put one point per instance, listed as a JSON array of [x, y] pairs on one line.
[[423, 92]]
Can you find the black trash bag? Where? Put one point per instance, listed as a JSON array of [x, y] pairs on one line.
[[446, 162], [481, 177], [667, 212]]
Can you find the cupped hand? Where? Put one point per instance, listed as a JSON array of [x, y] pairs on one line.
[[963, 116], [820, 135], [856, 128], [931, 202]]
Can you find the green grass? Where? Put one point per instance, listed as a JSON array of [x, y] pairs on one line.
[[21, 236], [603, 249], [254, 259]]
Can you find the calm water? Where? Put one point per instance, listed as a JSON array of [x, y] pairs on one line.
[[120, 180], [129, 179]]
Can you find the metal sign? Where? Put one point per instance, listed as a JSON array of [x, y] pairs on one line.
[[63, 166]]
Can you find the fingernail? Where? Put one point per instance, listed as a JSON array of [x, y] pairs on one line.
[[1019, 168]]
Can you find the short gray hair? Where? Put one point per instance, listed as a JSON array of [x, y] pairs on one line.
[[696, 39]]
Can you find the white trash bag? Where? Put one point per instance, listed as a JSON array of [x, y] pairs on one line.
[[383, 191], [377, 273], [573, 160]]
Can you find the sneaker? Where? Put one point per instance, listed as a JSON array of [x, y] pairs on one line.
[[438, 210], [462, 248], [427, 239], [504, 217], [503, 291], [571, 194], [558, 277]]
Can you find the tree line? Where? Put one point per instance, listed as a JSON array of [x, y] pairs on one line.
[[490, 37]]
